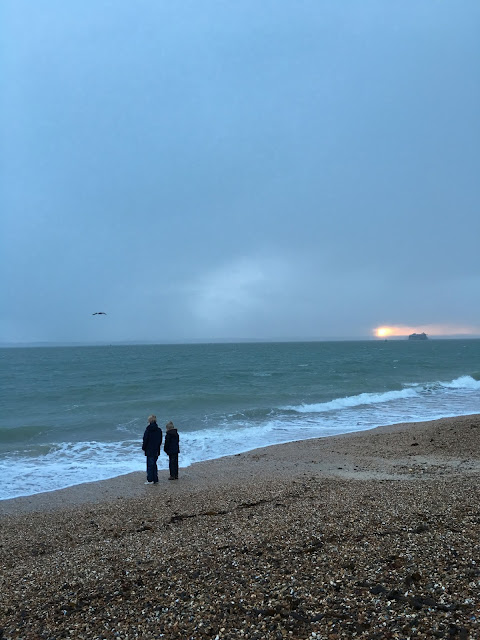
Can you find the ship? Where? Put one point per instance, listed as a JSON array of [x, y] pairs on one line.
[[418, 336]]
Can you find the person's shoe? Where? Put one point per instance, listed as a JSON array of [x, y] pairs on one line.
[[171, 478], [155, 482], [148, 482]]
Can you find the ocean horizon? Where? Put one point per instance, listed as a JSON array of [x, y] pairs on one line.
[[102, 343]]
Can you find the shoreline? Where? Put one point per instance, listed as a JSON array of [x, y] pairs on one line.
[[357, 456], [368, 535]]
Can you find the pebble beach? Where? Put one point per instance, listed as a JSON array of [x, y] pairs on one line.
[[372, 534]]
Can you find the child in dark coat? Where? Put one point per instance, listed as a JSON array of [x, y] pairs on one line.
[[172, 449], [152, 441]]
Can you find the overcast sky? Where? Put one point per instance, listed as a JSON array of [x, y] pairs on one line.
[[208, 170]]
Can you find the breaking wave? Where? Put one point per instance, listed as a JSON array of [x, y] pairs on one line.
[[411, 391]]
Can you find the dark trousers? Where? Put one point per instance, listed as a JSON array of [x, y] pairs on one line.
[[173, 465], [152, 471]]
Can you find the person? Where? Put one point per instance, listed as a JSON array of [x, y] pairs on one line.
[[172, 449], [152, 441]]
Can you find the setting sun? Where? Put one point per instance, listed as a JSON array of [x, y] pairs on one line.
[[387, 331], [397, 331], [383, 332]]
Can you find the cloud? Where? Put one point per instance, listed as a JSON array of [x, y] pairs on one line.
[[233, 293]]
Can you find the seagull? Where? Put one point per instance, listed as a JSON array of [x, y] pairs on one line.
[[99, 313]]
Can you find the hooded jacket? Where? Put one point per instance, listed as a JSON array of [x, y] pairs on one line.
[[171, 442], [152, 440]]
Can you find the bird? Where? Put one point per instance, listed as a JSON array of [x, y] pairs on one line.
[[99, 313]]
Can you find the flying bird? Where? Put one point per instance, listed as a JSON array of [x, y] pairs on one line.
[[99, 313]]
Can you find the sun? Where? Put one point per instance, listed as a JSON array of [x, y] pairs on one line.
[[383, 332]]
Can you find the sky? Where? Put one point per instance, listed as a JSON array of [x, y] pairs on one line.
[[210, 170]]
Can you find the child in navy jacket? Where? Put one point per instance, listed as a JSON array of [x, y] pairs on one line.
[[152, 440], [172, 449]]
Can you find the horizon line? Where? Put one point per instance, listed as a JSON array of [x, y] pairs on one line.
[[67, 343]]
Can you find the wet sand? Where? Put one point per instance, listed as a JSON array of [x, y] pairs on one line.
[[374, 534]]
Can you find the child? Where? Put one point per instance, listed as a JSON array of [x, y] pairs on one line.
[[172, 449], [152, 440]]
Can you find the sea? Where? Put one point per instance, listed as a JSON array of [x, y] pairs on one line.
[[71, 415]]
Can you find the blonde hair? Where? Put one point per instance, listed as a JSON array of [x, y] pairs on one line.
[[152, 418], [170, 425]]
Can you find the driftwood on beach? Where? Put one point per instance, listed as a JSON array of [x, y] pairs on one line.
[[368, 535]]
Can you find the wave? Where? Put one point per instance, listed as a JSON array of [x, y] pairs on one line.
[[22, 434], [63, 465], [464, 382], [412, 390]]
